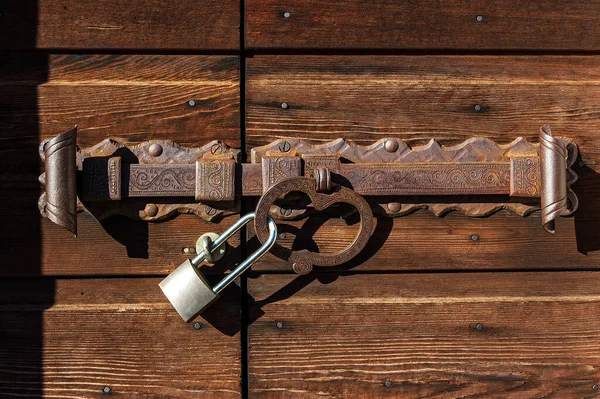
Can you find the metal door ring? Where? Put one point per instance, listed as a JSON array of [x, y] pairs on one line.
[[303, 260]]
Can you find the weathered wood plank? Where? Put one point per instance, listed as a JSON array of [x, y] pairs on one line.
[[418, 98], [423, 241], [72, 338], [133, 97], [439, 24], [346, 336], [114, 24]]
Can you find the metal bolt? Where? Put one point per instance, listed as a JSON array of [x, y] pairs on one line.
[[192, 103], [477, 107], [479, 18], [394, 207], [391, 146], [197, 326], [479, 327], [595, 387], [281, 236], [284, 105], [216, 149], [107, 390], [279, 324], [387, 384], [210, 211], [155, 150], [474, 237], [285, 211], [287, 14], [284, 146], [151, 210]]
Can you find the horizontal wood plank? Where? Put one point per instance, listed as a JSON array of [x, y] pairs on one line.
[[73, 338], [438, 24], [493, 335], [132, 97], [114, 24], [417, 98]]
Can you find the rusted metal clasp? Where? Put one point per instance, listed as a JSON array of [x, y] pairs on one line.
[[303, 260]]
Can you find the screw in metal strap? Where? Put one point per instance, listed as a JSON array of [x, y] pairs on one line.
[[248, 261]]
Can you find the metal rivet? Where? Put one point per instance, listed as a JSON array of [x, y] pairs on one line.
[[394, 207], [474, 237], [387, 384], [197, 326], [284, 105], [595, 387], [282, 236], [151, 210], [210, 211], [477, 107], [287, 14], [479, 18], [391, 146], [284, 146], [479, 327], [107, 390], [285, 211], [155, 150], [279, 324], [192, 103], [216, 149]]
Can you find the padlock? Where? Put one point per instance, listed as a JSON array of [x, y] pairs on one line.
[[190, 292]]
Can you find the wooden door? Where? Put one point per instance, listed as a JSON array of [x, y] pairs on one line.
[[444, 307]]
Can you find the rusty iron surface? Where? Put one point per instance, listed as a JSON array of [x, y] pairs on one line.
[[303, 260], [154, 179]]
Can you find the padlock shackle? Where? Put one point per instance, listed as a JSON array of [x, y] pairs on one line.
[[220, 286]]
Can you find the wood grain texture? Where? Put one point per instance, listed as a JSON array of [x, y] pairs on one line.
[[416, 98], [117, 333], [346, 336], [421, 97], [422, 241], [438, 24], [114, 24], [134, 97]]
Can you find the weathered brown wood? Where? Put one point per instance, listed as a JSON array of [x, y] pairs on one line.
[[417, 98], [114, 24], [72, 338], [423, 241], [135, 97], [366, 98], [346, 336], [440, 24]]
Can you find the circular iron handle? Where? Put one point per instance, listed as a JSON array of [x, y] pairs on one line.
[[303, 260]]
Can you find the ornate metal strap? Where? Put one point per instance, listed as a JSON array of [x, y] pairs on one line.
[[155, 179]]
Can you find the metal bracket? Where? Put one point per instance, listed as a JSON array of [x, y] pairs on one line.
[[151, 180]]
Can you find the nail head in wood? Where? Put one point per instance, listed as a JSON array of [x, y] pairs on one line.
[[192, 103], [106, 390], [197, 326], [595, 387], [479, 327], [387, 384], [285, 105], [287, 14], [479, 18], [478, 107], [279, 324], [474, 237]]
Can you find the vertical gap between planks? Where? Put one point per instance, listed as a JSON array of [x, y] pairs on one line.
[[244, 353]]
